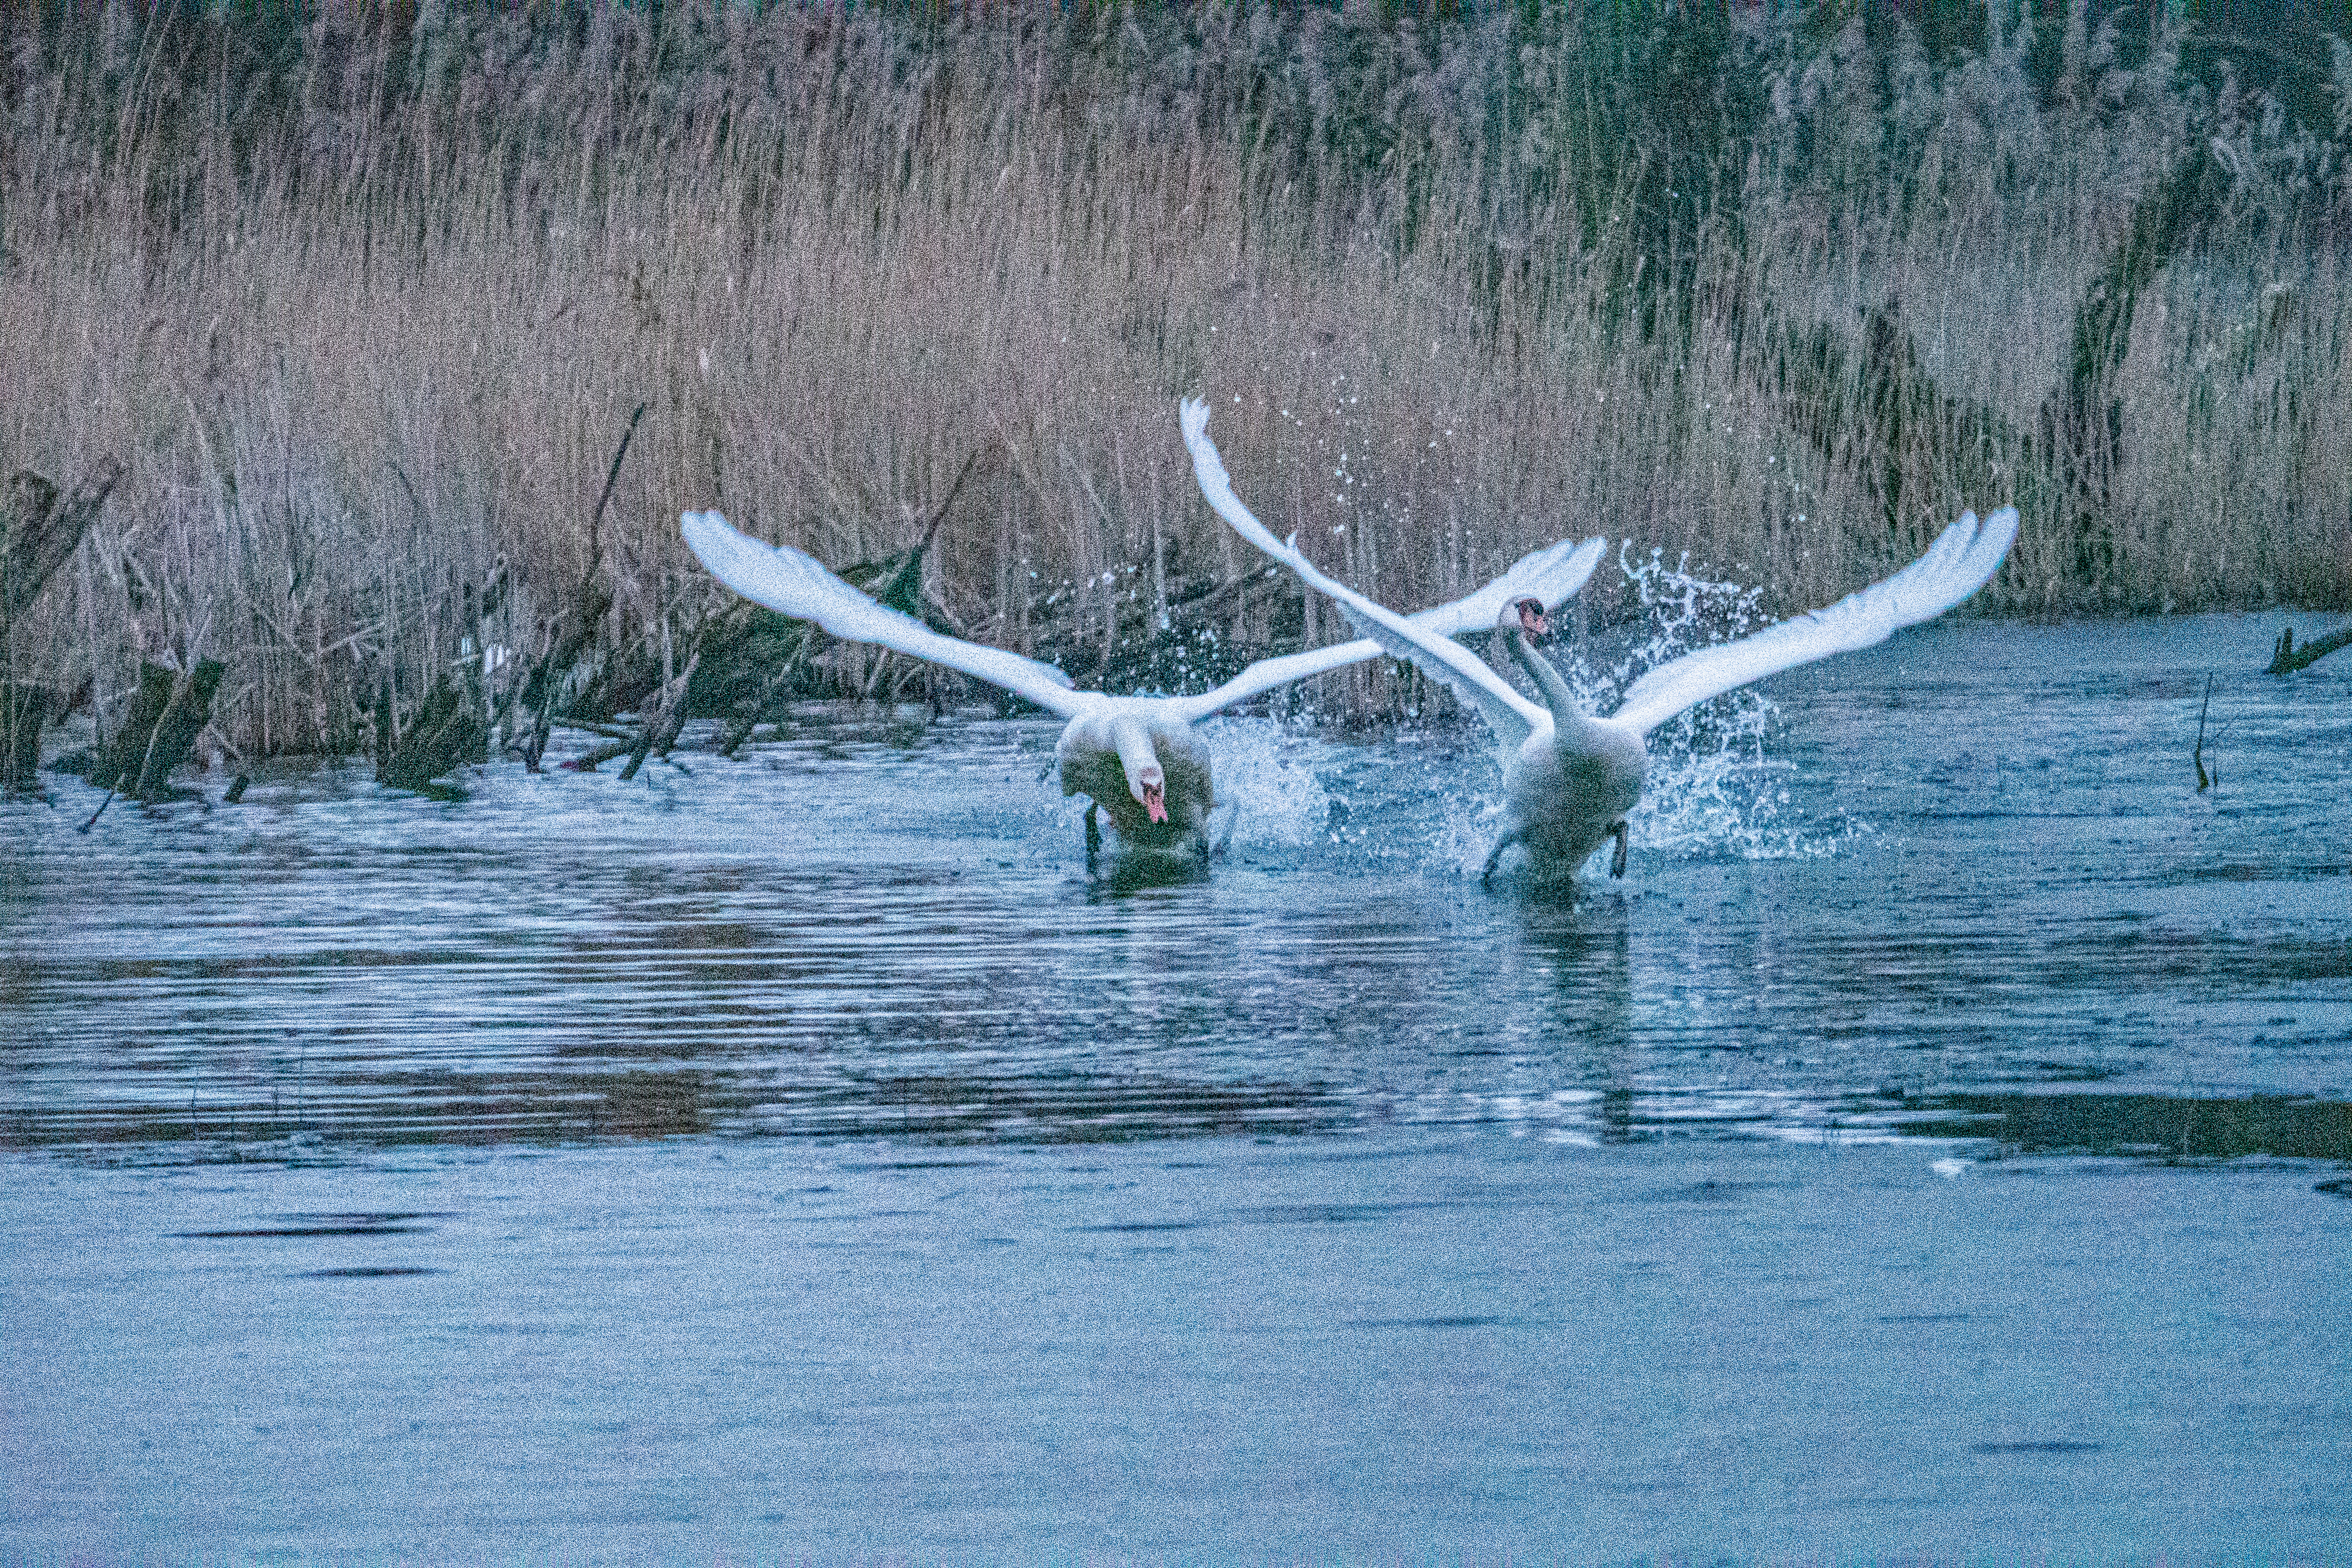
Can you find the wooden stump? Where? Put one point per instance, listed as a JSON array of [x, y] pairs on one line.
[[185, 713], [448, 730], [38, 534], [127, 755], [157, 734]]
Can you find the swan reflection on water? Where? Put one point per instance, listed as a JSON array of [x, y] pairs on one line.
[[1137, 870]]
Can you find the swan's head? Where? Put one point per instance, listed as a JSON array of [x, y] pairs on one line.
[[1138, 759], [1532, 620]]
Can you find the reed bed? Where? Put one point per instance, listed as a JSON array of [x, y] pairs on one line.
[[365, 308]]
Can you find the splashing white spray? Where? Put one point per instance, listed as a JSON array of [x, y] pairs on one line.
[[1711, 789], [1268, 774], [1265, 772]]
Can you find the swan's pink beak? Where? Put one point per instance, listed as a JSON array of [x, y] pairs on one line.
[[1155, 802], [1532, 619]]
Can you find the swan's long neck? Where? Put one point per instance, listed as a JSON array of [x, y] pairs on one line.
[[1545, 674], [1140, 760]]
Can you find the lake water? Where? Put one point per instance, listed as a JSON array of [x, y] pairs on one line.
[[1937, 1146]]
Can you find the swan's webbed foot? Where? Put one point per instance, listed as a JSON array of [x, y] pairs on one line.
[[1094, 837], [1495, 856], [1617, 861], [1225, 839]]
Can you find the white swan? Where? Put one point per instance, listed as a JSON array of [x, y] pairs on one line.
[[1569, 778], [1136, 758]]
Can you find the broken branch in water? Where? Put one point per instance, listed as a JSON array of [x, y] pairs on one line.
[[2288, 659], [448, 728], [666, 717], [2197, 756]]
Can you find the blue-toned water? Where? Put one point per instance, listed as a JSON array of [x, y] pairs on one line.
[[1938, 1145]]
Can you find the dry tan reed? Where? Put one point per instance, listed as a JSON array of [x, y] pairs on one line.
[[365, 328]]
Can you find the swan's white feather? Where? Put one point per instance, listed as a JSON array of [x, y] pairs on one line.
[[1550, 575], [1962, 560], [1094, 750], [1511, 716], [1571, 779], [794, 584]]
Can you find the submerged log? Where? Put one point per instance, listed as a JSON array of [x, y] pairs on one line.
[[2287, 657]]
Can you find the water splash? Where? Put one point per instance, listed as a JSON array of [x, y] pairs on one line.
[[1712, 790], [1265, 772], [1431, 800], [1268, 774]]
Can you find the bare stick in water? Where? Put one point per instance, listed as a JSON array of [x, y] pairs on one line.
[[2197, 756], [94, 815]]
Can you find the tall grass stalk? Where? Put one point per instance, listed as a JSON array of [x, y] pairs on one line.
[[365, 309]]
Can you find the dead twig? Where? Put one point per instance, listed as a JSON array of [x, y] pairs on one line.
[[2197, 756], [537, 694], [2205, 780], [612, 477]]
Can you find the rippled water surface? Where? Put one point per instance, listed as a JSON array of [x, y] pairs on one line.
[[1938, 1144]]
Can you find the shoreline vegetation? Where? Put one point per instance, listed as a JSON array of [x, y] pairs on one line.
[[362, 302]]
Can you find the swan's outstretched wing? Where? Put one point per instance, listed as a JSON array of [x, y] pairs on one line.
[[1511, 716], [1549, 576], [794, 584], [1962, 560]]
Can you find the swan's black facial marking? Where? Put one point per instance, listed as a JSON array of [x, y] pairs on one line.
[[1532, 619]]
